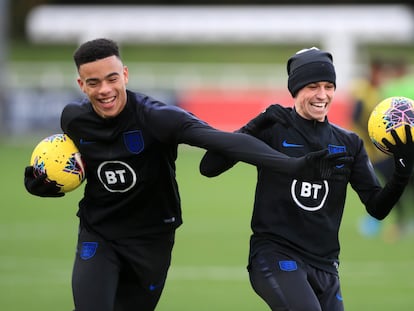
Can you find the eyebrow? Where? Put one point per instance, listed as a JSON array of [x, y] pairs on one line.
[[106, 77]]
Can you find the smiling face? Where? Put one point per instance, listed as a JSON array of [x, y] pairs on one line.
[[313, 101], [104, 82]]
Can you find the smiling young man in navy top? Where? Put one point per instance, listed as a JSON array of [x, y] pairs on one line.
[[294, 248]]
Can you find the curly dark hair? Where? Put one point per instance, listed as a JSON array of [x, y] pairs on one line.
[[96, 49]]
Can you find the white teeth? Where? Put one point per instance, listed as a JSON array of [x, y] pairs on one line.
[[105, 101]]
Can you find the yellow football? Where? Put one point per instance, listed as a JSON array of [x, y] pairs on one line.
[[59, 158], [392, 113]]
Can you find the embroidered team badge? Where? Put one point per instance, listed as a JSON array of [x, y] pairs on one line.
[[134, 141], [88, 250], [336, 149]]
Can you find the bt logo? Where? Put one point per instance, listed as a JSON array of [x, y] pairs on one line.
[[116, 176], [112, 177], [310, 190], [309, 196]]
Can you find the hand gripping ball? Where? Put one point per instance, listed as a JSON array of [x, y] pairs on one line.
[[59, 158], [390, 114]]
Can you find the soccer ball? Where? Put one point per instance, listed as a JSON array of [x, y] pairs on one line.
[[392, 113], [59, 158]]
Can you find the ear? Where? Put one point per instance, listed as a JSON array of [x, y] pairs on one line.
[[81, 84], [126, 74]]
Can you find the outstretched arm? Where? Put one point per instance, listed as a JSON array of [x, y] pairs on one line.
[[315, 165], [213, 163], [173, 123], [228, 148], [380, 205]]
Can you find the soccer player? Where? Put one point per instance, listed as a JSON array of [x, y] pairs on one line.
[[131, 204], [294, 247]]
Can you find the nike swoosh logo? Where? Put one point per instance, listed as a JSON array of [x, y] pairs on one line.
[[85, 142], [402, 162], [289, 145]]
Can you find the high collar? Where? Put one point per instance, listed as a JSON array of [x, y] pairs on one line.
[[313, 131], [309, 123]]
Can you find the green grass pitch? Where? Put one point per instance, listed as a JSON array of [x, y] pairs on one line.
[[37, 243]]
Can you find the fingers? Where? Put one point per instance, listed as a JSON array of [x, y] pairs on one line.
[[318, 154], [28, 171], [398, 141], [387, 143], [42, 177], [54, 190], [51, 189], [336, 155], [340, 174], [408, 134], [344, 160], [29, 174], [396, 137], [338, 164], [333, 158]]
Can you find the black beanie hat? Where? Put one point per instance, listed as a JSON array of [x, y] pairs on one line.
[[309, 66]]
